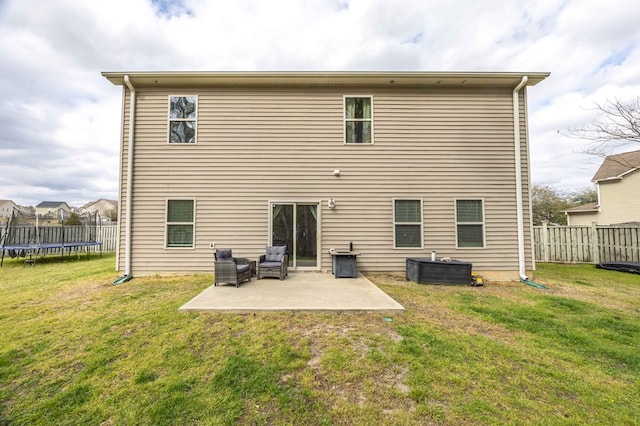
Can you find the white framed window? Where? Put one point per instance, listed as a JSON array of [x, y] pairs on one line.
[[470, 223], [358, 119], [407, 223], [183, 117], [180, 223]]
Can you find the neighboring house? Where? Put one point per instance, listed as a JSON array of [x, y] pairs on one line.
[[53, 209], [6, 208], [618, 187], [105, 208], [396, 163]]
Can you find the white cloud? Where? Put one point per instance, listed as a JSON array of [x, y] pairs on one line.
[[60, 118]]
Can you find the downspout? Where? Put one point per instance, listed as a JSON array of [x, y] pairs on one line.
[[130, 146], [518, 161]]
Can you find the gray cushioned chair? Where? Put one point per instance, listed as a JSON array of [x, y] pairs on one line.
[[229, 269], [274, 263]]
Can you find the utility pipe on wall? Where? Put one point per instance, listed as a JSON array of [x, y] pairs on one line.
[[132, 122], [518, 162]]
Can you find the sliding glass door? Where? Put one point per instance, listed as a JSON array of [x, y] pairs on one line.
[[296, 226]]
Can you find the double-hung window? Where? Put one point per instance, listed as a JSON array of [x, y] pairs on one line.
[[183, 113], [470, 223], [180, 223], [407, 222], [358, 119]]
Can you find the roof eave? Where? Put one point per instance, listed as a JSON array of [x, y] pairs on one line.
[[372, 78], [608, 179], [584, 208], [581, 211], [618, 178]]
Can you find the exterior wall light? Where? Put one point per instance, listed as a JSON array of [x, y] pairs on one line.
[[331, 203]]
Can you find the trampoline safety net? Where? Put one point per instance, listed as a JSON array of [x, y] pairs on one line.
[[28, 234]]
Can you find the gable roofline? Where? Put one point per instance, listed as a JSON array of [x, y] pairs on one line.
[[318, 78], [614, 178], [617, 166], [91, 203], [46, 204]]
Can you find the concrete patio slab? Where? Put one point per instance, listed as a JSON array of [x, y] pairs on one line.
[[300, 291]]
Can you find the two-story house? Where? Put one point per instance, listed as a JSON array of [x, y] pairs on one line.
[[618, 188], [396, 163], [58, 210], [6, 209], [107, 209]]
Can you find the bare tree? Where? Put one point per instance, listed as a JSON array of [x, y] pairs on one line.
[[617, 125]]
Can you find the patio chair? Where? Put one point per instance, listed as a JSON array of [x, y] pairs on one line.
[[229, 269], [274, 263]]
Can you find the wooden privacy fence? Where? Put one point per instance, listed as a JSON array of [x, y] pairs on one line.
[[107, 234], [586, 244]]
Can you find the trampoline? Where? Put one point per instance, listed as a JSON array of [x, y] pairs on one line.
[[631, 267], [24, 237]]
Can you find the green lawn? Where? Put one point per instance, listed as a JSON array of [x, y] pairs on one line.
[[75, 349]]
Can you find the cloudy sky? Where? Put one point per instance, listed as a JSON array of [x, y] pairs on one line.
[[60, 119]]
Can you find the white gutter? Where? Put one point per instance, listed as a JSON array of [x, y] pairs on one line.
[[518, 161], [132, 122]]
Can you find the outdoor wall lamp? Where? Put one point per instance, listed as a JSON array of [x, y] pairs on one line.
[[331, 203], [336, 172]]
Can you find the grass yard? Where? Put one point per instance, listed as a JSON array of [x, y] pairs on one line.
[[75, 349]]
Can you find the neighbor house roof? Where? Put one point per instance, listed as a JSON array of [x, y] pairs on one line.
[[90, 203], [618, 165], [585, 208], [352, 78], [51, 204]]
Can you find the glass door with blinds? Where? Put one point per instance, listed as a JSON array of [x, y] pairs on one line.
[[296, 226]]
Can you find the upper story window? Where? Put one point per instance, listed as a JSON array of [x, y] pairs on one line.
[[358, 119], [470, 223], [183, 112]]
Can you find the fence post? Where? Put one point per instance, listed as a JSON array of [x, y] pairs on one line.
[[545, 242], [595, 247]]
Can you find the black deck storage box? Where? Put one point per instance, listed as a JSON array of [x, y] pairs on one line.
[[344, 264], [427, 271]]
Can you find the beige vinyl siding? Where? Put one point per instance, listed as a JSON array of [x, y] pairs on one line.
[[620, 200], [257, 145], [582, 219], [619, 203]]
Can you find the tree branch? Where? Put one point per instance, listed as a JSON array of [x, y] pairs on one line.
[[617, 125]]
